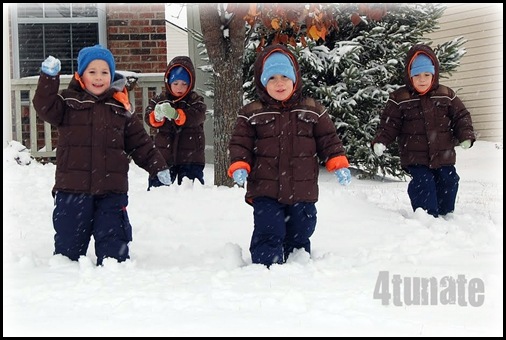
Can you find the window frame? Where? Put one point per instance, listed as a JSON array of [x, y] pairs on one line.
[[100, 19]]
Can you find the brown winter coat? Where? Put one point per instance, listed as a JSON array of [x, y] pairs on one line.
[[426, 127], [180, 141], [282, 141], [96, 137]]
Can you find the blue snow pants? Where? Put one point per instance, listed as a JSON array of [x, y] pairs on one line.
[[433, 190], [76, 217], [279, 229], [192, 171]]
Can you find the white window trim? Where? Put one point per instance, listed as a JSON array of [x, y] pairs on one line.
[[100, 19]]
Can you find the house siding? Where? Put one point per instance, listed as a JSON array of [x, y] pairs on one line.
[[177, 42], [479, 79]]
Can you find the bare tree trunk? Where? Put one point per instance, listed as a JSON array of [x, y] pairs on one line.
[[224, 39]]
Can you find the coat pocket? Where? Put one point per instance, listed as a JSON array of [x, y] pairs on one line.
[[306, 121], [266, 125]]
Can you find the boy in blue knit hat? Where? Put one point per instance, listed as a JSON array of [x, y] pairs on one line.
[[89, 54], [178, 114], [275, 149], [428, 120], [98, 134]]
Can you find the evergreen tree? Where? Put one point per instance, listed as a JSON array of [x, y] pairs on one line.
[[354, 70]]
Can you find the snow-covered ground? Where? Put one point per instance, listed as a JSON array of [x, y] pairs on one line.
[[190, 272]]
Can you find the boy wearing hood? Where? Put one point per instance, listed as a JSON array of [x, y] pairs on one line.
[[179, 114], [428, 120], [275, 150]]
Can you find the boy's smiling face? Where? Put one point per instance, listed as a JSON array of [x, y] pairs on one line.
[[97, 77], [279, 87]]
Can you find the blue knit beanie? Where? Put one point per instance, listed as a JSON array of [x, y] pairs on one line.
[[179, 73], [88, 54], [421, 64], [277, 63]]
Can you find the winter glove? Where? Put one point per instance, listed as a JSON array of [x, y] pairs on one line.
[[165, 111], [51, 66], [343, 176], [466, 144], [379, 148], [164, 177], [240, 176]]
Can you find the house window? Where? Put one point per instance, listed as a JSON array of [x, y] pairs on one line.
[[60, 30]]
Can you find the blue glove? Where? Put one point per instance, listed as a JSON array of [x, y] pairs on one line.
[[343, 176], [240, 176], [466, 144], [164, 177], [51, 66]]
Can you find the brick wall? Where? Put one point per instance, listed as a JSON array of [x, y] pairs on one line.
[[136, 37]]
